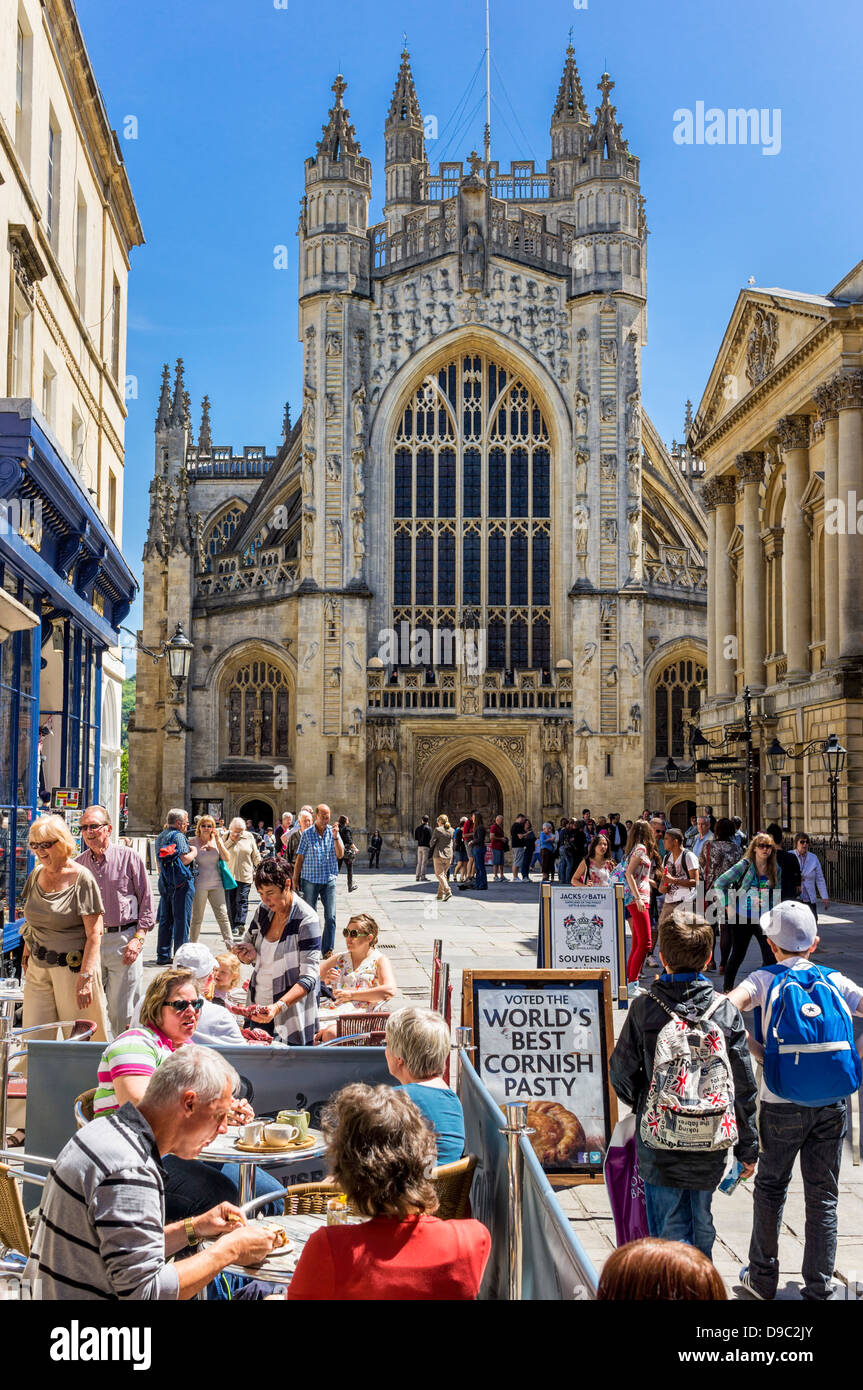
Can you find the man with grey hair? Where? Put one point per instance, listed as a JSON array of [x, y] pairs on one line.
[[101, 1230], [291, 842], [176, 885], [125, 887], [243, 858], [283, 829]]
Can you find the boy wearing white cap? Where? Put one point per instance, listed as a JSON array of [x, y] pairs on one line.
[[803, 1018]]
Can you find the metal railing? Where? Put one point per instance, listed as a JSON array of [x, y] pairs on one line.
[[843, 867]]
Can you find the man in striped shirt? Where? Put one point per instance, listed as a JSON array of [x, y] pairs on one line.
[[101, 1232]]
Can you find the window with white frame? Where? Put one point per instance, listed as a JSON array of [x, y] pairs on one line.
[[49, 379], [22, 320], [52, 206], [23, 85], [81, 252]]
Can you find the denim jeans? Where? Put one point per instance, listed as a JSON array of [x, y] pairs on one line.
[[816, 1133], [175, 919], [680, 1213], [478, 852], [327, 894]]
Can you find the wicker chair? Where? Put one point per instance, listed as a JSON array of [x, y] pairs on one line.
[[370, 1030], [452, 1183], [84, 1108], [13, 1223]]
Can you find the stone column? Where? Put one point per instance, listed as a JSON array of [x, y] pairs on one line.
[[793, 431], [826, 398], [850, 404], [708, 501], [725, 608], [750, 470]]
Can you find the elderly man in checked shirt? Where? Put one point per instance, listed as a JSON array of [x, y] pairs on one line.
[[317, 869], [128, 899]]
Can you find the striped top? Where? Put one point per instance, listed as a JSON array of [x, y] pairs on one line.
[[100, 1233], [137, 1052]]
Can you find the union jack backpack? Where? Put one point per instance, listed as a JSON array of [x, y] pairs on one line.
[[690, 1103]]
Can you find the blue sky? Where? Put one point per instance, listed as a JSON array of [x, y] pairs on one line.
[[230, 96]]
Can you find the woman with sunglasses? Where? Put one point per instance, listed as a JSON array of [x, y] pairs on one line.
[[208, 885], [168, 1019], [361, 978], [746, 891], [62, 935]]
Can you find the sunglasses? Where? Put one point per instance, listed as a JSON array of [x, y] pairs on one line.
[[352, 931], [95, 825], [43, 844], [181, 1005]]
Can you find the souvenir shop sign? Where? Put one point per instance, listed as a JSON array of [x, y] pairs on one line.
[[582, 929]]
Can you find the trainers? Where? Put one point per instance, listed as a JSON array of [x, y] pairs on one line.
[[633, 990], [746, 1283]]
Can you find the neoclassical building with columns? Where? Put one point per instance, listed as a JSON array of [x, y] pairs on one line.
[[780, 430], [472, 463]]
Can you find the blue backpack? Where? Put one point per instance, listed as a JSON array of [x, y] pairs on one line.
[[810, 1057]]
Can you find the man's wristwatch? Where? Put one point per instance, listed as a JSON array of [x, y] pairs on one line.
[[85, 975], [192, 1237]]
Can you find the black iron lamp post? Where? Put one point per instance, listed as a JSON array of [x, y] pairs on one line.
[[833, 757], [179, 654], [726, 768]]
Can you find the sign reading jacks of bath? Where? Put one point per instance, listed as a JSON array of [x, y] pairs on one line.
[[582, 929], [543, 1037]]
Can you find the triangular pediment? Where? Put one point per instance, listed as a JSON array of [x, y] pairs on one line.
[[766, 327]]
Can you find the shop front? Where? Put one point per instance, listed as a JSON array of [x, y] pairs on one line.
[[64, 590]]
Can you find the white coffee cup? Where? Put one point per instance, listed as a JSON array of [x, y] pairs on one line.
[[280, 1136], [252, 1134]]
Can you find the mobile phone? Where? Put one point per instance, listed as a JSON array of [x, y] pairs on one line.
[[730, 1183]]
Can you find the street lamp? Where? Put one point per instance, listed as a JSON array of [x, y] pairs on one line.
[[722, 766], [833, 757], [179, 654]]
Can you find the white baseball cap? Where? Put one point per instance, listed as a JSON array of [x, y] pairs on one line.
[[791, 925], [196, 956]]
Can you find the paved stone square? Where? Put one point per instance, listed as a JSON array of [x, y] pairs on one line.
[[498, 928]]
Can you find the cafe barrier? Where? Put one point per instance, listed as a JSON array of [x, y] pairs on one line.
[[274, 1078], [535, 1255]]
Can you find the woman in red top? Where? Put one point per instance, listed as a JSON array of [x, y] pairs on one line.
[[380, 1150]]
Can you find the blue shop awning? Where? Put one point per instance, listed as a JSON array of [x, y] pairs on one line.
[[74, 537]]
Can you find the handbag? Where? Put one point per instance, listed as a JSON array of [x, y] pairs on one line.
[[228, 880], [624, 1184], [350, 853]]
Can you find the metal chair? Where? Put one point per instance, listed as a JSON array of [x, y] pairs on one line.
[[84, 1107], [13, 1085]]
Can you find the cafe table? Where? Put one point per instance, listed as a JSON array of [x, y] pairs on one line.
[[278, 1267], [223, 1149]]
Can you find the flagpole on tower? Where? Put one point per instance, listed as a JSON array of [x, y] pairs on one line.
[[487, 150]]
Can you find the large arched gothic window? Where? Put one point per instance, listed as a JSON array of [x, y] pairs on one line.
[[472, 494], [258, 712], [219, 535], [678, 688]]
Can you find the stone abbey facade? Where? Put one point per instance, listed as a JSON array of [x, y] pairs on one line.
[[472, 576]]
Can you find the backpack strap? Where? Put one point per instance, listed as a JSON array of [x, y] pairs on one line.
[[708, 1013]]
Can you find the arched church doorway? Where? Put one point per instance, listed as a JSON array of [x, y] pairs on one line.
[[470, 787], [257, 811], [680, 813]]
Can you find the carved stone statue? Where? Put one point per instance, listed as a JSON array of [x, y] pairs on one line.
[[334, 467], [608, 350], [332, 408], [582, 526], [608, 408], [473, 258], [609, 529], [308, 411], [359, 480], [359, 520], [633, 471], [552, 785], [633, 531], [608, 466], [334, 345], [635, 718], [633, 416], [386, 785], [580, 473], [586, 657], [308, 474], [359, 407], [581, 404], [309, 532]]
